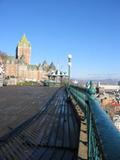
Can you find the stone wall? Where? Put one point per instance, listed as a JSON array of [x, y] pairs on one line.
[[25, 52], [25, 72], [11, 69]]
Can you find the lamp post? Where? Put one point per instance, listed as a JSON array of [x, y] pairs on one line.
[[69, 67], [61, 77]]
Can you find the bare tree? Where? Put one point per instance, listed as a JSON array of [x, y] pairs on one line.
[[3, 56]]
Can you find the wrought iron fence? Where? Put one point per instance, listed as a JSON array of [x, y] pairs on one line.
[[103, 137]]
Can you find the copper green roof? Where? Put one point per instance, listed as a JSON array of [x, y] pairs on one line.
[[10, 58], [30, 66], [24, 41]]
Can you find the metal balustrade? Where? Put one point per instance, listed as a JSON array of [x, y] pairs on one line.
[[103, 137]]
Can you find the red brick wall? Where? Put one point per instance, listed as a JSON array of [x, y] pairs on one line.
[[11, 69], [25, 51], [23, 73]]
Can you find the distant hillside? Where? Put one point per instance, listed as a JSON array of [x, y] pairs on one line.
[[102, 81]]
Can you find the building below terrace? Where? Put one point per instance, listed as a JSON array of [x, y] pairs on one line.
[[19, 67]]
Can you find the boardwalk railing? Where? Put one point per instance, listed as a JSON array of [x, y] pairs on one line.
[[103, 137]]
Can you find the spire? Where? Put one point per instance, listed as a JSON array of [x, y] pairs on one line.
[[24, 41]]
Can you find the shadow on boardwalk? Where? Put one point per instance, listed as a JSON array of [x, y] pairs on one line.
[[52, 134]]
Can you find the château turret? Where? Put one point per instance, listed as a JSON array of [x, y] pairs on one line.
[[23, 50]]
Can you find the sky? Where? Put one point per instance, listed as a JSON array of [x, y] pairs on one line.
[[87, 29]]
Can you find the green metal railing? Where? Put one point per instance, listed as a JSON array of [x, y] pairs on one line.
[[103, 137]]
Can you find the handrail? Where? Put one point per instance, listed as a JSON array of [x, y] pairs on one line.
[[79, 97], [103, 137]]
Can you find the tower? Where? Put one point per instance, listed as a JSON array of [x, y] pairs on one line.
[[23, 50]]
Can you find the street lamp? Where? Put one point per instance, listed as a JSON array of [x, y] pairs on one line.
[[69, 67]]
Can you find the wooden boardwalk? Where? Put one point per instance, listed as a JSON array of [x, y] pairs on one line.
[[19, 103], [52, 134]]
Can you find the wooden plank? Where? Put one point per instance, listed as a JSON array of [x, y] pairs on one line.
[[51, 135]]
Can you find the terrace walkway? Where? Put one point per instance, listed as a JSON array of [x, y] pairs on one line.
[[52, 134], [70, 126]]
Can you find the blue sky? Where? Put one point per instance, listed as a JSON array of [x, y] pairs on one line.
[[88, 29]]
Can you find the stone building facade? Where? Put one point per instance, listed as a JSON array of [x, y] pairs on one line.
[[19, 67]]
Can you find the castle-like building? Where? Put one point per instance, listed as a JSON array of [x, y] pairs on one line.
[[23, 50], [20, 67]]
